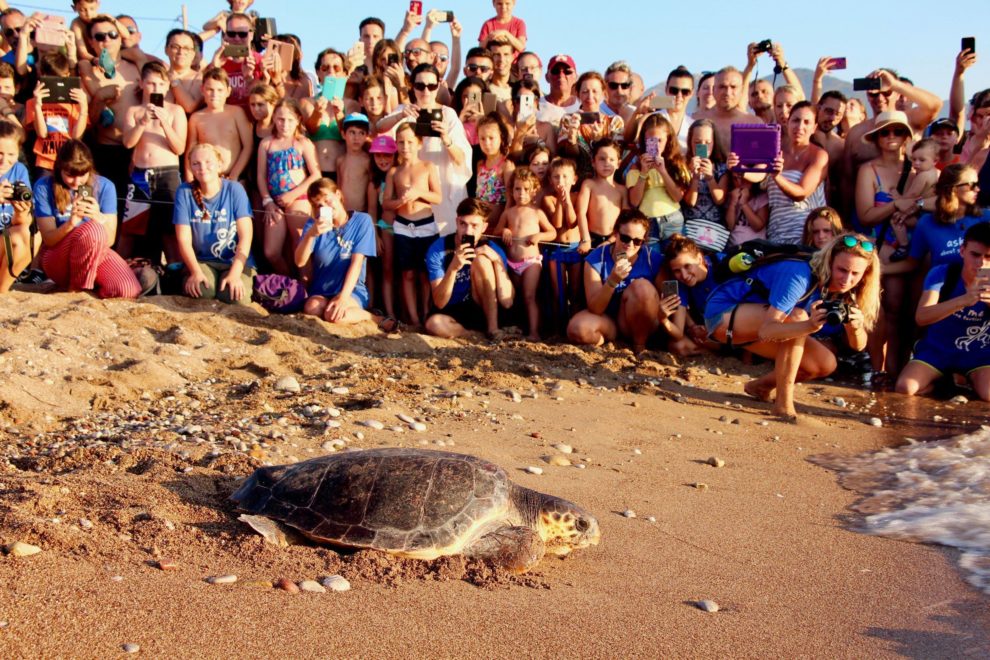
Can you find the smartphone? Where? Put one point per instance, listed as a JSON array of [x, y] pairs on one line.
[[235, 51], [669, 288], [489, 103], [473, 97], [468, 239], [424, 122], [85, 190], [445, 17], [284, 51], [157, 100], [326, 213], [983, 274], [838, 63], [333, 88], [264, 29], [416, 7], [51, 32], [701, 150], [866, 84], [662, 103], [653, 147], [969, 43], [527, 107], [59, 88], [589, 117], [106, 63], [392, 58]]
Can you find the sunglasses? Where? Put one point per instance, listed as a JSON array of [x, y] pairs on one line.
[[238, 34], [442, 58], [617, 85], [131, 30], [852, 241], [896, 132], [422, 86], [10, 33], [330, 67], [483, 68], [969, 185], [104, 36], [562, 70], [415, 51], [679, 91], [627, 239], [886, 94]]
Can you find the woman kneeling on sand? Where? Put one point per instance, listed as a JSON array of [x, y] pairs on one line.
[[214, 227], [797, 314]]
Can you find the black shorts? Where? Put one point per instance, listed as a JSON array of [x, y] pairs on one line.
[[468, 313], [329, 175], [410, 251], [598, 239]]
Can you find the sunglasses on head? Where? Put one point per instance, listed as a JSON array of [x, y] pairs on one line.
[[896, 132], [627, 239], [104, 36], [679, 91], [483, 68], [566, 70], [886, 94], [422, 86], [969, 185], [238, 34], [619, 85], [852, 241]]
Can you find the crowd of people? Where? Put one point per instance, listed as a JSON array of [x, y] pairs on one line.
[[456, 187]]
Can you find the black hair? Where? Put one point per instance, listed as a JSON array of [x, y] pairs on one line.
[[372, 20], [680, 72], [832, 94], [979, 233]]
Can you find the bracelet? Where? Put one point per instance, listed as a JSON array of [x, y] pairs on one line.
[[266, 201], [609, 284]]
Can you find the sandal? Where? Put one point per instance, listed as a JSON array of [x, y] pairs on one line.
[[388, 324]]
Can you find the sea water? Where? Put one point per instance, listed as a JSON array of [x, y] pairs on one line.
[[929, 492]]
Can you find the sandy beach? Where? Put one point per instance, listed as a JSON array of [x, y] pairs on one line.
[[126, 426]]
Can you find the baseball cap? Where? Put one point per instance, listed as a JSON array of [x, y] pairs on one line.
[[355, 119], [383, 144], [944, 122], [561, 59]]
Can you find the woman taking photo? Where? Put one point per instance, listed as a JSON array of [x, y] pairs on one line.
[[214, 226], [76, 210], [323, 115], [525, 128]]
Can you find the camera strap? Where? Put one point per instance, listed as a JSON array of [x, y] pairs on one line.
[[9, 249]]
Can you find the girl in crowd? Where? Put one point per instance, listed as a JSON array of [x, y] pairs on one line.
[[467, 104], [323, 115], [494, 170], [579, 131], [748, 210], [537, 158], [387, 63], [297, 84], [706, 91], [382, 152], [372, 97], [76, 211], [287, 165], [777, 307], [262, 100], [821, 227], [704, 222], [214, 227], [659, 178], [338, 245], [15, 216], [526, 129], [620, 287]]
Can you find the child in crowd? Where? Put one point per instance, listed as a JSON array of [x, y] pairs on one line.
[[15, 216], [224, 126], [748, 211], [537, 158], [287, 165], [494, 170], [522, 228], [704, 221], [9, 107], [600, 198], [504, 26], [54, 123], [382, 152], [373, 101], [261, 104], [156, 132], [658, 180], [560, 207], [411, 188], [823, 224], [921, 183], [86, 11], [354, 167], [216, 24]]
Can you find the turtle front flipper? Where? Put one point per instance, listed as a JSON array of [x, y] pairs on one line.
[[516, 549]]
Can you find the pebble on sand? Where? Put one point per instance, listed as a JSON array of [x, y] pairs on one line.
[[287, 585], [714, 461], [557, 460], [515, 396], [372, 424], [336, 583], [222, 579], [312, 586], [700, 486], [563, 449], [287, 384], [21, 549], [875, 421], [167, 565], [534, 470], [629, 513], [131, 648], [707, 605]]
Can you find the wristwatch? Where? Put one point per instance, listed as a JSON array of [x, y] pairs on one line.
[[920, 203]]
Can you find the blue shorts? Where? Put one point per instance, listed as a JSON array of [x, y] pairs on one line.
[[950, 361], [567, 255]]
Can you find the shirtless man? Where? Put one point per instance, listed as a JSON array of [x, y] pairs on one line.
[[157, 134], [764, 92], [185, 82], [925, 107], [111, 97], [242, 72], [371, 31], [502, 55], [561, 100], [831, 107], [354, 167], [761, 100], [224, 126], [728, 94]]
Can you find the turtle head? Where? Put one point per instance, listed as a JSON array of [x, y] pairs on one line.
[[564, 526]]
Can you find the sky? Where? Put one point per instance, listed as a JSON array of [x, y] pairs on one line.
[[654, 36]]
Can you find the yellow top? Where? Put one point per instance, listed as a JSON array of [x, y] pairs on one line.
[[657, 202]]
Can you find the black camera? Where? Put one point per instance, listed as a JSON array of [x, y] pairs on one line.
[[836, 312], [21, 193], [764, 46]]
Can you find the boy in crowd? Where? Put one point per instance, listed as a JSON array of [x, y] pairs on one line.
[[504, 26], [224, 126], [54, 123], [502, 55], [86, 12], [354, 167]]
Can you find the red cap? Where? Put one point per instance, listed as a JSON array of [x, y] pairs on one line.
[[561, 59]]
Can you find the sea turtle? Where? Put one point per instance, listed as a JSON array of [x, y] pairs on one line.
[[418, 503]]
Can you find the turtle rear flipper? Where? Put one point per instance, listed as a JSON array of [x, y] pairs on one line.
[[516, 549], [272, 531]]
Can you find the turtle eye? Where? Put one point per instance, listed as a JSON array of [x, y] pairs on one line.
[[582, 525]]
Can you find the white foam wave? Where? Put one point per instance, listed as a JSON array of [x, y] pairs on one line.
[[932, 492]]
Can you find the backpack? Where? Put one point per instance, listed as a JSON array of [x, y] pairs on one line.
[[279, 294], [952, 277], [740, 259]]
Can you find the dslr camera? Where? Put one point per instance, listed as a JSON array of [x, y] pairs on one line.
[[21, 193], [836, 312], [764, 46]]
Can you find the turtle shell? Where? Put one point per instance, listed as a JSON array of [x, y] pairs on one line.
[[412, 502]]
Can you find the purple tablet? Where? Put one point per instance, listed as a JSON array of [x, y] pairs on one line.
[[757, 146]]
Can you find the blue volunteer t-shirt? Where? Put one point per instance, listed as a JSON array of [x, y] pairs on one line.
[[787, 281], [44, 200], [438, 258], [214, 233], [16, 173], [332, 253], [695, 297], [967, 329], [646, 266], [941, 240]]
